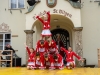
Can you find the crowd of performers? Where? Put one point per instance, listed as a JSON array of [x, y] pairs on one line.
[[46, 54]]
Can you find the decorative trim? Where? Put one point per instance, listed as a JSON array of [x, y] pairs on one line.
[[31, 8], [53, 5], [16, 9], [14, 35], [75, 4], [29, 31], [96, 0], [78, 28], [4, 28]]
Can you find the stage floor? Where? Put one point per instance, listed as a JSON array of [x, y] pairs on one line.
[[24, 71]]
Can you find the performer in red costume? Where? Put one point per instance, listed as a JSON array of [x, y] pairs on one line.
[[46, 25], [52, 48], [49, 61], [58, 61], [41, 47], [69, 58], [39, 61], [31, 60]]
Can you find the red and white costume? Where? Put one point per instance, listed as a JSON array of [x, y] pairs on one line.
[[41, 49], [59, 62], [46, 26], [31, 60], [52, 48], [69, 57], [48, 62], [39, 62]]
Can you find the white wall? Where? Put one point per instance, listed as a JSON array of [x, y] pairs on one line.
[[91, 30], [19, 22], [40, 7], [76, 18], [16, 22]]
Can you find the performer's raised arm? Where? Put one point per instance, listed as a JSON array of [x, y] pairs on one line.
[[28, 50], [48, 13], [40, 19], [63, 49]]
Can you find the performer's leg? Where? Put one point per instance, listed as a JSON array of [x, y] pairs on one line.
[[52, 66], [33, 66], [46, 65], [43, 37], [70, 65], [42, 66], [47, 33], [42, 34], [46, 38], [56, 66], [37, 66], [61, 65], [28, 67]]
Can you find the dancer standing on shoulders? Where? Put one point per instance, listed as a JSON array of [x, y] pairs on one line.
[[46, 25]]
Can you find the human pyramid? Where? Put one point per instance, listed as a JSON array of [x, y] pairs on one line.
[[46, 55]]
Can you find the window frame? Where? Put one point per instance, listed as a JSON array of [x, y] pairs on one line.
[[5, 39], [96, 0], [17, 5]]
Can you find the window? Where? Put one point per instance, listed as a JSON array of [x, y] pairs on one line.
[[16, 4], [5, 39], [96, 0]]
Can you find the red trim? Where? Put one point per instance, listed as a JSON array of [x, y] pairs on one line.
[[30, 65], [44, 28], [46, 35]]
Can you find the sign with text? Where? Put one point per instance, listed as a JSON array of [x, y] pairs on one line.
[[55, 11]]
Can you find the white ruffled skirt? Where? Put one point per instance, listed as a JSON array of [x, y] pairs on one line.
[[31, 63], [46, 32]]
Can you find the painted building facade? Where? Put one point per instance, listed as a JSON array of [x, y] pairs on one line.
[[78, 24]]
